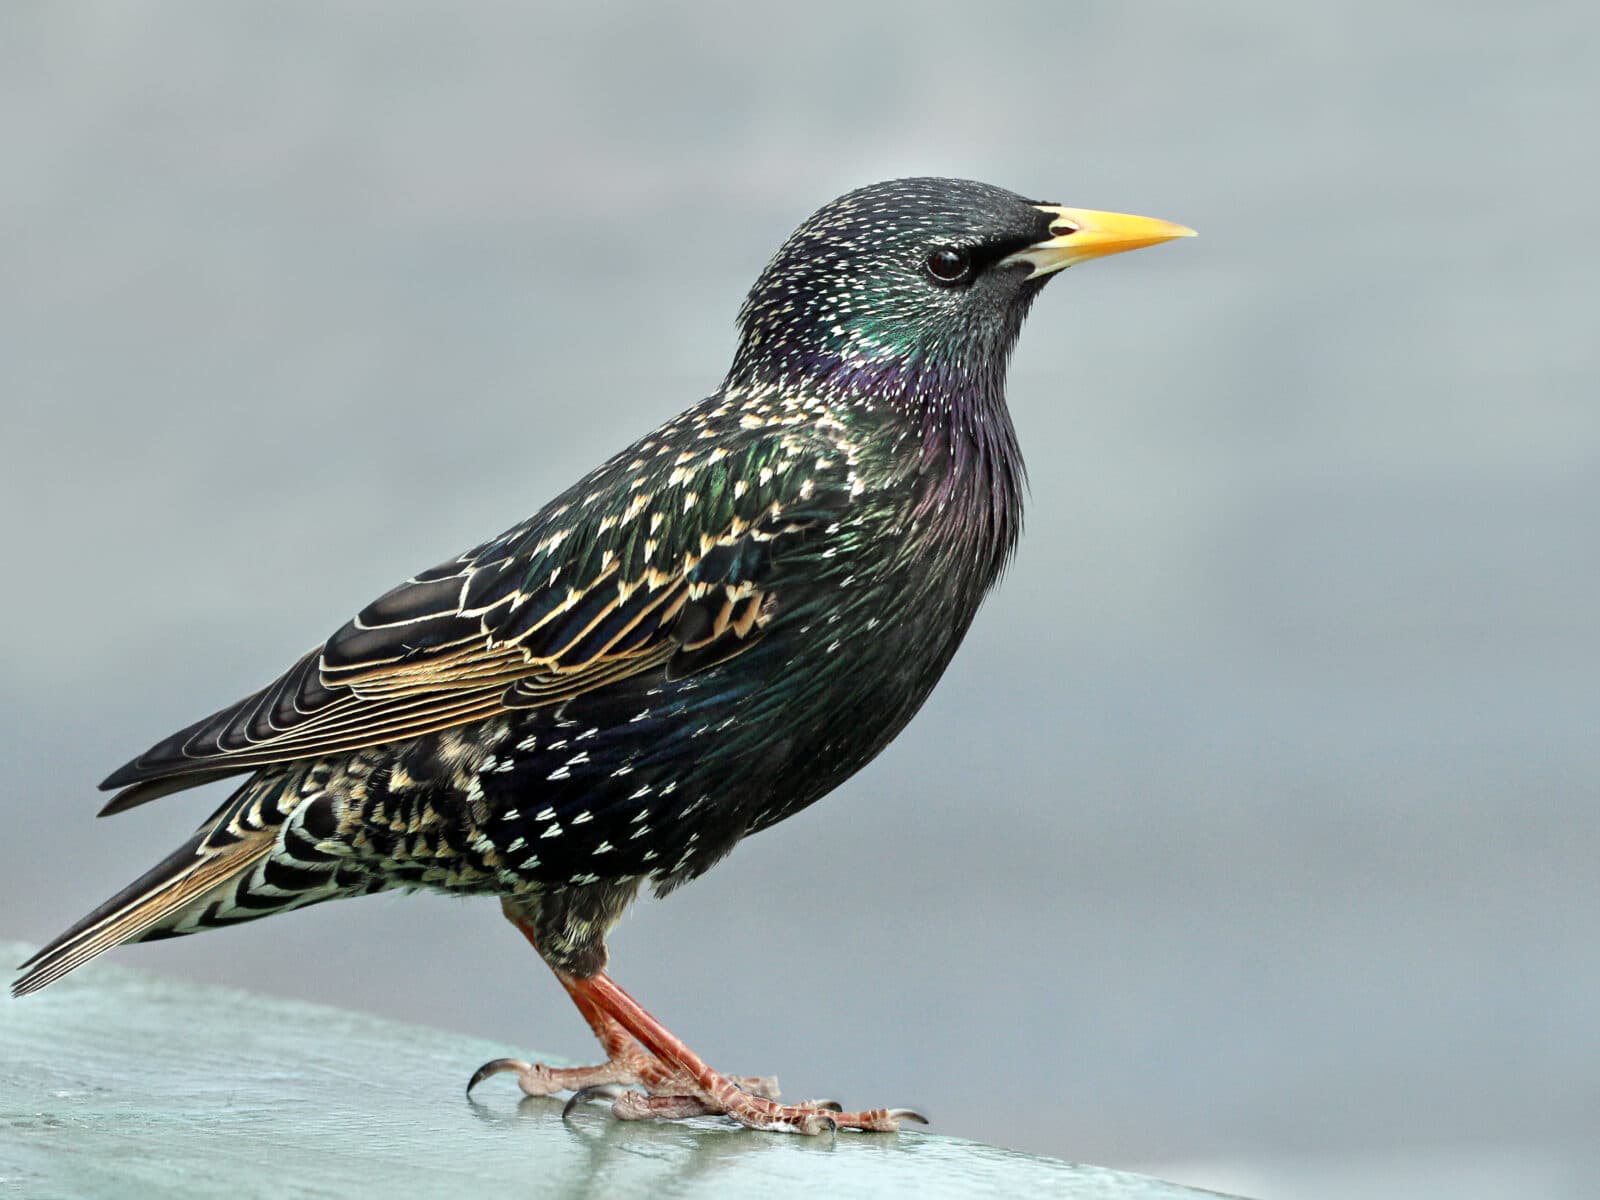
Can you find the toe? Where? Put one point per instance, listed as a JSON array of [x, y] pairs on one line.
[[495, 1067], [880, 1120], [636, 1106]]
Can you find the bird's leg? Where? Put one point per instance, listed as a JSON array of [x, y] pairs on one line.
[[706, 1090], [627, 1063]]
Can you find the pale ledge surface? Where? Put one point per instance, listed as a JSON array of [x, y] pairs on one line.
[[116, 1082]]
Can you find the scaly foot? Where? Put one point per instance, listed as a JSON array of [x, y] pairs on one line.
[[725, 1098], [627, 1063], [537, 1079], [631, 1068], [691, 1088], [673, 1081]]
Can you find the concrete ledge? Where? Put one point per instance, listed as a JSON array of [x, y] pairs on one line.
[[118, 1083]]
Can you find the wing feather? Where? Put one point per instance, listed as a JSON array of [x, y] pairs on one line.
[[614, 578]]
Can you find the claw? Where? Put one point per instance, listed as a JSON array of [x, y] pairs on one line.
[[596, 1091], [494, 1067], [826, 1105], [907, 1114]]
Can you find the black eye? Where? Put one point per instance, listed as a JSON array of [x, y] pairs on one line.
[[948, 265]]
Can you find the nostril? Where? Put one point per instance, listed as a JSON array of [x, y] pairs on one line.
[[1063, 228]]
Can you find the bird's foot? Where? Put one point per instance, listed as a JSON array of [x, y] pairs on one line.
[[722, 1095], [537, 1079], [629, 1067], [687, 1087], [650, 1075]]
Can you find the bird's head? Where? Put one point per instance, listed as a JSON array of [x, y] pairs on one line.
[[916, 282]]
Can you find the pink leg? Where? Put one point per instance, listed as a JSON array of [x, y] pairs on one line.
[[626, 1062], [708, 1091]]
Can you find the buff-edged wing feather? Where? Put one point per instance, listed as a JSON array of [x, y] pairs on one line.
[[652, 562]]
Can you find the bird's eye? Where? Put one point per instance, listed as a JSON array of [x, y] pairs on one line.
[[948, 265]]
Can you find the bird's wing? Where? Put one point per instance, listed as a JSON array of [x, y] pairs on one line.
[[659, 559]]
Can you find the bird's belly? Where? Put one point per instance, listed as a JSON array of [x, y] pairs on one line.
[[655, 777]]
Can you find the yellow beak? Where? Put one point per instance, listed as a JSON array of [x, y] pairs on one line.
[[1082, 233]]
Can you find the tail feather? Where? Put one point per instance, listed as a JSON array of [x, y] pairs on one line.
[[187, 874], [253, 857]]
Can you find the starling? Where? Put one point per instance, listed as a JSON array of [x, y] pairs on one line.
[[701, 637]]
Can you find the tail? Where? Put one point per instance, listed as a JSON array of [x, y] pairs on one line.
[[243, 863]]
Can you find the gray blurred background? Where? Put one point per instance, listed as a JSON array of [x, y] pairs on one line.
[[1252, 838]]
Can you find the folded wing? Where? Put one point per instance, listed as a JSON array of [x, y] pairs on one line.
[[650, 563]]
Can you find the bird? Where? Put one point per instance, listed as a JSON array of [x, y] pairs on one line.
[[704, 635]]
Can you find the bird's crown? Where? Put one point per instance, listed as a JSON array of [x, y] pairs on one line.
[[909, 271]]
